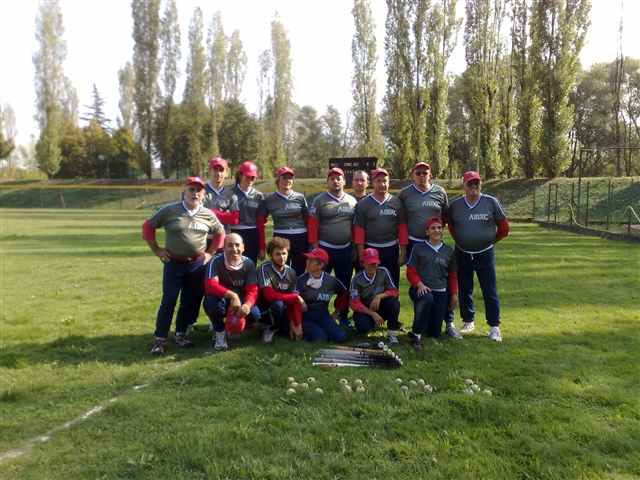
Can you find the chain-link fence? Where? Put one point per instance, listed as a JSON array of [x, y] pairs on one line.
[[603, 204]]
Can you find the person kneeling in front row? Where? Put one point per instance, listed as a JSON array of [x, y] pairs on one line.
[[431, 268], [374, 297]]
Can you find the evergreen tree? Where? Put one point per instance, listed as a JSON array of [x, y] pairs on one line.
[[96, 110], [8, 132]]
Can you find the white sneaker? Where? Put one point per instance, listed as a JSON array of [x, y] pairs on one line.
[[221, 341], [267, 335], [453, 332], [467, 327], [494, 334]]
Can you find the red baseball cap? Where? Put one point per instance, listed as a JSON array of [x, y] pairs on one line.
[[421, 164], [434, 220], [284, 170], [471, 176], [234, 324], [370, 255], [249, 169], [197, 180], [337, 170], [318, 253], [377, 172], [218, 162]]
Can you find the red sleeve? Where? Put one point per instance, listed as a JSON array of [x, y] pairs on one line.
[[216, 242], [356, 305], [453, 283], [403, 234], [260, 221], [294, 312], [503, 229], [312, 227], [392, 292], [341, 302], [271, 295], [213, 287], [358, 235], [412, 276], [251, 293], [228, 218], [450, 227], [148, 232]]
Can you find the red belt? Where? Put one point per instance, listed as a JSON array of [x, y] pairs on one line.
[[186, 260]]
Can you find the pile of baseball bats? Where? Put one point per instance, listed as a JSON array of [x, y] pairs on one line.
[[361, 355]]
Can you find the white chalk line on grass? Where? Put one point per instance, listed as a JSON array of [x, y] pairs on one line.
[[11, 454]]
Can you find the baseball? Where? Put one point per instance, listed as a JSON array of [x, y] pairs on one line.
[[291, 379], [404, 388], [291, 391], [304, 385], [475, 388], [319, 390], [343, 382], [487, 392], [398, 381], [427, 388], [346, 388], [359, 389], [468, 391], [421, 382], [357, 382], [311, 380], [293, 384], [413, 383], [468, 381]]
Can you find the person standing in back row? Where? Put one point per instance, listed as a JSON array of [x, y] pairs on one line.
[[423, 200], [250, 203], [477, 222], [222, 201]]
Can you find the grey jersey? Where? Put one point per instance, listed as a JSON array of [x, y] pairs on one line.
[[318, 298], [380, 220], [186, 232], [289, 213], [234, 280], [365, 289], [335, 218], [474, 227], [433, 264], [223, 200], [270, 277], [251, 207], [421, 206]]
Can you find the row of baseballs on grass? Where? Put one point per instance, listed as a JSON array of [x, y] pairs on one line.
[[472, 388], [344, 383], [414, 383]]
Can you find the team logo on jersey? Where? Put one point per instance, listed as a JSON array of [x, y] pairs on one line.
[[283, 286], [353, 293], [325, 297], [479, 216], [251, 204], [238, 282], [346, 209], [198, 226], [312, 210], [293, 206], [430, 203], [441, 261], [388, 212]]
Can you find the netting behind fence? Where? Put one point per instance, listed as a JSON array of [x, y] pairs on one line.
[[601, 204]]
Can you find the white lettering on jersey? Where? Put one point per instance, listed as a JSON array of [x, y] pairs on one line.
[[238, 283], [251, 204], [345, 209], [198, 226], [283, 286], [293, 206], [441, 261], [325, 297], [430, 203], [479, 216], [388, 211]]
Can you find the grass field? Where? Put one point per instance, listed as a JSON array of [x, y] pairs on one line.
[[81, 396]]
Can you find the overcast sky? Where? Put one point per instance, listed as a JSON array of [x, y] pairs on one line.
[[98, 36]]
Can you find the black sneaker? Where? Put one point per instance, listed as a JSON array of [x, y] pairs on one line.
[[414, 341], [158, 346], [182, 340]]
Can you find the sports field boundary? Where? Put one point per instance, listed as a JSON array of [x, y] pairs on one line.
[[589, 231]]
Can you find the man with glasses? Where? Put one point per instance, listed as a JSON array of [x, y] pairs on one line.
[[476, 222], [423, 200]]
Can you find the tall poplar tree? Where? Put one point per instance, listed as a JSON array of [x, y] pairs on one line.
[[264, 99], [52, 87], [282, 89], [146, 67], [558, 31], [217, 43], [364, 58], [236, 67], [193, 98], [126, 82]]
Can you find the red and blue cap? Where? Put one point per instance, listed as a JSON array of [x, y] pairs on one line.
[[318, 253], [197, 180], [370, 255], [234, 324], [471, 176]]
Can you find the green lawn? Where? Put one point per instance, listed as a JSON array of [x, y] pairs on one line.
[[79, 294]]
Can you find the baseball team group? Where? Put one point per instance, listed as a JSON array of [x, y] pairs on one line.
[[342, 248]]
